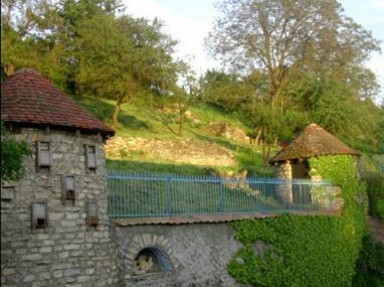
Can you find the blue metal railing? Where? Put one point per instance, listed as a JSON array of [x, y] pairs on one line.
[[156, 195]]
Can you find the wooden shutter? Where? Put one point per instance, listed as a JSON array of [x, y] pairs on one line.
[[90, 156], [44, 158], [92, 214], [68, 188], [39, 215]]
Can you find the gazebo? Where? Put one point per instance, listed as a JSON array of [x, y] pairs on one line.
[[292, 161]]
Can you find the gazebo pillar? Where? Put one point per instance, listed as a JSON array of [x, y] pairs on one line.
[[284, 172]]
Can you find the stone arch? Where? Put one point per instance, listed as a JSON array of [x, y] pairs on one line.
[[147, 253]]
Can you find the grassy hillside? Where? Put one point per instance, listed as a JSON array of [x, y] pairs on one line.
[[140, 120]]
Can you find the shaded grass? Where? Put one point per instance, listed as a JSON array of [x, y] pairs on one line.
[[157, 167]]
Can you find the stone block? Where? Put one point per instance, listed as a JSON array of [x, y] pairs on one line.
[[31, 257], [64, 254], [45, 250], [8, 271], [72, 247], [44, 276], [71, 272], [89, 271], [29, 278], [83, 278], [57, 274]]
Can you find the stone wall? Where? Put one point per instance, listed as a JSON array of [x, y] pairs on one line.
[[67, 252], [198, 253]]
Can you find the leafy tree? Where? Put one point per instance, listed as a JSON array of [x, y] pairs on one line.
[[12, 154], [28, 39], [308, 52], [120, 58], [67, 17], [224, 90], [281, 37]]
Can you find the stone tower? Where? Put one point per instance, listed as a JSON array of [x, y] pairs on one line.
[[55, 229]]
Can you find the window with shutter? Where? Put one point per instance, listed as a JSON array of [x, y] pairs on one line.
[[90, 151], [68, 188], [92, 214], [44, 154], [39, 215]]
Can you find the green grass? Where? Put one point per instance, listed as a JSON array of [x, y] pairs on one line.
[[156, 166], [139, 118]]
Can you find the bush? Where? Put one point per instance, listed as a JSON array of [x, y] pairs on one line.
[[375, 188], [306, 250], [370, 266], [12, 154]]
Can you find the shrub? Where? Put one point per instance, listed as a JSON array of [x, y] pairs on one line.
[[306, 250]]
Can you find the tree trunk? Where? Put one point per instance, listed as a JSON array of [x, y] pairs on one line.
[[181, 123], [257, 139], [115, 115], [9, 69]]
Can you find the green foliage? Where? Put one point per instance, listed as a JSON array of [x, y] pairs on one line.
[[370, 266], [375, 190], [12, 154], [299, 78], [305, 251]]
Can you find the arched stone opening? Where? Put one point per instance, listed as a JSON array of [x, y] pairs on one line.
[[147, 253], [151, 260]]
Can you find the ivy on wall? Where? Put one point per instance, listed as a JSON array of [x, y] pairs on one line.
[[305, 250]]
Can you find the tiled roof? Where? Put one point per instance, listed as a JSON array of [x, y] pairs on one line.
[[28, 98], [313, 141], [210, 218]]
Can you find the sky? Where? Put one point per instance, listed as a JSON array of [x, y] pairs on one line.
[[189, 22]]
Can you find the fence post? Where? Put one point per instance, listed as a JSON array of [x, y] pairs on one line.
[[221, 199], [169, 197]]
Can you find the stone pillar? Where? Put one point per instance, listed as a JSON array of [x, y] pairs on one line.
[[284, 172]]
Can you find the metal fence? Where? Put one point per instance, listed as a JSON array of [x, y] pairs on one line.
[[156, 195]]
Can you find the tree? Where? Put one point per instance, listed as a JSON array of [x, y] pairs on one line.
[[119, 58], [187, 93], [283, 37], [28, 39], [294, 43], [12, 154], [226, 90]]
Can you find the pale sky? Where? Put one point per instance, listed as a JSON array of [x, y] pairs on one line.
[[189, 22]]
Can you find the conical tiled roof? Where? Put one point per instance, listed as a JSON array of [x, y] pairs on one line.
[[313, 141], [27, 98]]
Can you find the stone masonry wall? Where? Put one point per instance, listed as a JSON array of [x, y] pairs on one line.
[[67, 252], [198, 253], [284, 171]]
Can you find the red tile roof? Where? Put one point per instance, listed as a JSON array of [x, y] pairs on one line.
[[313, 141], [27, 98]]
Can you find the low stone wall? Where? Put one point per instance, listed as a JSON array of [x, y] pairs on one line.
[[198, 254]]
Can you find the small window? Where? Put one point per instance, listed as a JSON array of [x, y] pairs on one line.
[[92, 214], [44, 158], [69, 189], [39, 215], [90, 156]]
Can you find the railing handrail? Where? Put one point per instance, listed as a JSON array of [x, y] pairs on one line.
[[210, 178], [153, 194]]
